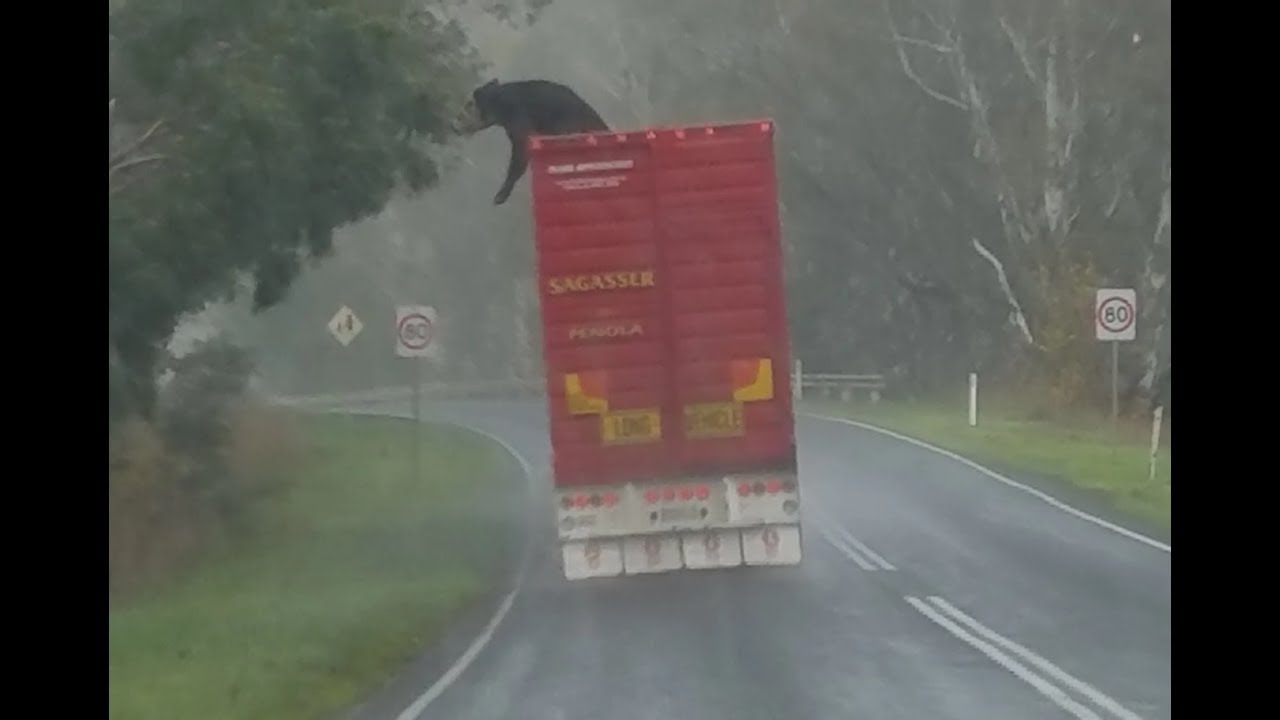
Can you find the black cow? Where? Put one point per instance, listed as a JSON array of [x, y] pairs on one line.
[[524, 108]]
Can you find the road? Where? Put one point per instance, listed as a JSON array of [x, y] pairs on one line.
[[928, 590]]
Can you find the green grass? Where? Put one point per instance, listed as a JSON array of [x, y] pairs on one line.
[[351, 570], [1081, 450]]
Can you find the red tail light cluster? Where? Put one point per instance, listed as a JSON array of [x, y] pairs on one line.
[[772, 486], [669, 494], [582, 500]]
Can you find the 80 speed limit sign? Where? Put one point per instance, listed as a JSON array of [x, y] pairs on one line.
[[415, 331], [1116, 314]]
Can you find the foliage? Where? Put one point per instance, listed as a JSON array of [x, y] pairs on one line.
[[183, 479], [265, 125]]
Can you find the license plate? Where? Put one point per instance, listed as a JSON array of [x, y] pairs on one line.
[[630, 426], [678, 515], [708, 420]]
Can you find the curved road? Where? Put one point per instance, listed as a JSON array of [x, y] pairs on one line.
[[929, 590]]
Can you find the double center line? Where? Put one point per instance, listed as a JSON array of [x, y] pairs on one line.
[[1045, 677], [855, 550], [995, 645]]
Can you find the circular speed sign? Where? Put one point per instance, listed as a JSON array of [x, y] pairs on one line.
[[415, 331], [1115, 315]]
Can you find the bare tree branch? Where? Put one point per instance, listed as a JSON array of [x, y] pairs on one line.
[[1156, 277], [1102, 39], [1016, 316], [1115, 202], [926, 43], [132, 162], [1019, 44], [898, 42], [137, 143]]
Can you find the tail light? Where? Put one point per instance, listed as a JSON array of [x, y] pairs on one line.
[[744, 489], [651, 496], [703, 492], [773, 486], [610, 499], [581, 501], [668, 494], [686, 493]]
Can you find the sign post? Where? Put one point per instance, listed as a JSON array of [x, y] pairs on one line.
[[416, 339], [1114, 317]]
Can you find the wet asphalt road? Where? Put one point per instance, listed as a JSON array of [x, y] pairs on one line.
[[928, 590]]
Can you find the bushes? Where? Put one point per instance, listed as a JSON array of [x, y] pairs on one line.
[[182, 480]]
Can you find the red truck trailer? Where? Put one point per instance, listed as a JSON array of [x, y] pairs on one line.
[[665, 348]]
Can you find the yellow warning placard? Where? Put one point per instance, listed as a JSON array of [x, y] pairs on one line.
[[630, 426]]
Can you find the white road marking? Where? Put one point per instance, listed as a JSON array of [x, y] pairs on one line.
[[1039, 662], [1011, 483], [875, 558], [1044, 687], [838, 544], [415, 710]]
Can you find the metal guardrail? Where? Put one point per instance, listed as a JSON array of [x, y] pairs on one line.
[[846, 384]]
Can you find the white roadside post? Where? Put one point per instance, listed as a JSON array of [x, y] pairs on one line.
[[1115, 316], [797, 389], [1156, 419], [416, 339], [973, 399]]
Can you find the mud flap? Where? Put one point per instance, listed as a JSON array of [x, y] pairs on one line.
[[651, 553], [591, 558], [712, 549], [771, 545]]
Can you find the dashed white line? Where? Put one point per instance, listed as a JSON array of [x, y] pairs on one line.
[[1044, 687], [1039, 662], [1001, 478]]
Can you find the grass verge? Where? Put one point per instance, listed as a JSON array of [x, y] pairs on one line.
[[350, 570], [1080, 450]]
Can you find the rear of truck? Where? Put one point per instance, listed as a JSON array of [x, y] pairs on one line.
[[665, 348]]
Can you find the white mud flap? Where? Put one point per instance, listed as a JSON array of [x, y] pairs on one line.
[[712, 549], [771, 545], [591, 558], [651, 553]]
